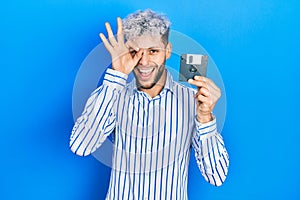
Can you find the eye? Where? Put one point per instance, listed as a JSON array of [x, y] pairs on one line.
[[154, 51], [132, 52]]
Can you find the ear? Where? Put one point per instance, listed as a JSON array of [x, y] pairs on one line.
[[168, 50]]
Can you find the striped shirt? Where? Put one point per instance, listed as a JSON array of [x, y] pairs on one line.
[[153, 138]]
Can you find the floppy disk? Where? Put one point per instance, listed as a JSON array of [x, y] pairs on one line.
[[192, 65]]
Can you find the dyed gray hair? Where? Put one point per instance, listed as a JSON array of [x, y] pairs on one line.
[[146, 22]]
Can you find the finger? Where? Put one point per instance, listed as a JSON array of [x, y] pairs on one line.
[[132, 48], [209, 84], [105, 42], [203, 99], [131, 45], [111, 36], [198, 83], [207, 80], [203, 91], [120, 36], [138, 57]]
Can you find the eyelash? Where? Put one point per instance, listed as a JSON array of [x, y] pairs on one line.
[[151, 52], [133, 52]]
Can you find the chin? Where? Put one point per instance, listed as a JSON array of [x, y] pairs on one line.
[[146, 85]]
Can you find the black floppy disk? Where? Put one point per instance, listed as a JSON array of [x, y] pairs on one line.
[[192, 65]]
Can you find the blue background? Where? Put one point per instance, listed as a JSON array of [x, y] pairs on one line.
[[254, 43]]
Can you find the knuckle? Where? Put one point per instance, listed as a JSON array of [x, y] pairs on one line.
[[218, 94]]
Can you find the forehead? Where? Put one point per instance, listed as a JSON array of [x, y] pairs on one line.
[[148, 41]]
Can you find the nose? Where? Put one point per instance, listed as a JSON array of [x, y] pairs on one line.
[[144, 59]]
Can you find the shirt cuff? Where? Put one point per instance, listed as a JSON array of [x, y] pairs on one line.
[[206, 129], [115, 79]]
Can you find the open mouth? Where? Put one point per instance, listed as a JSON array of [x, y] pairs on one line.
[[145, 73]]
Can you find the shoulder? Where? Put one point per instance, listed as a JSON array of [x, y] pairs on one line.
[[128, 89], [178, 87]]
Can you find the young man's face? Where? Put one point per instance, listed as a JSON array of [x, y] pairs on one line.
[[151, 66]]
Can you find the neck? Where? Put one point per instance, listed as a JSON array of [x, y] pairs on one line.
[[157, 88]]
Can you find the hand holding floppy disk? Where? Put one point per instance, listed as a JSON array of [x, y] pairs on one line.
[[193, 69]]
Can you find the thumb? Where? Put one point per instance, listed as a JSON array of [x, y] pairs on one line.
[[137, 57]]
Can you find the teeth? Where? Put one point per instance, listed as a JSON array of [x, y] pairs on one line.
[[145, 71]]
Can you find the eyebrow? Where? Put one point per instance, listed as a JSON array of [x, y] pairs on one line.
[[155, 48]]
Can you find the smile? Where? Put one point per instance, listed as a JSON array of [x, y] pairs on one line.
[[145, 73]]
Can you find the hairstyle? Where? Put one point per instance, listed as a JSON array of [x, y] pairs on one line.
[[146, 22]]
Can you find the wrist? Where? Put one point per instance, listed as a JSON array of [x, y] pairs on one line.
[[122, 71], [204, 118], [119, 70]]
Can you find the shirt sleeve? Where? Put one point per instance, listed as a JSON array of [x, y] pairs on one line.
[[98, 117], [211, 155]]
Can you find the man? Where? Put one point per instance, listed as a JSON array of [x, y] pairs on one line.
[[155, 120]]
